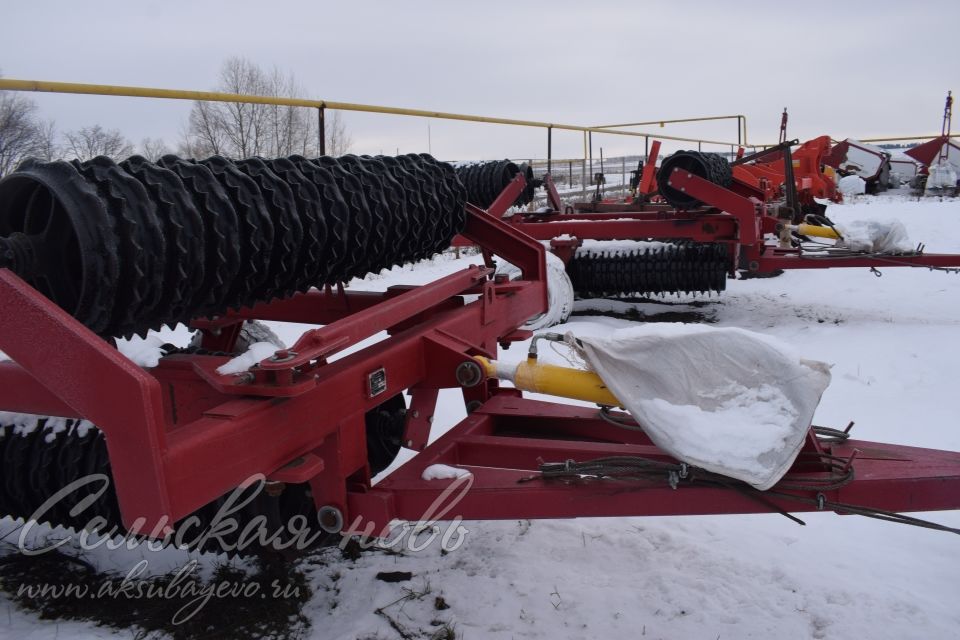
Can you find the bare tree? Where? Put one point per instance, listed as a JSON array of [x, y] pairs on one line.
[[338, 139], [242, 123], [241, 130], [154, 149], [22, 132], [89, 142], [47, 148], [204, 132]]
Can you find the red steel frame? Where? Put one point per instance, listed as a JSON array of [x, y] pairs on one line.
[[180, 435], [503, 442]]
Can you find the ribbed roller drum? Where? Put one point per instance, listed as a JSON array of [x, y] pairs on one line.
[[133, 246], [53, 222], [690, 267], [485, 180], [709, 166]]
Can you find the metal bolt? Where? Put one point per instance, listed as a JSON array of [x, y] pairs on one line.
[[473, 405], [330, 519], [283, 355], [469, 374], [274, 489]]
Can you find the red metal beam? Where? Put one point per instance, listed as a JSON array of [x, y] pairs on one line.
[[800, 261], [508, 196], [621, 207], [630, 212], [96, 382], [649, 170], [745, 210], [706, 228], [503, 456], [31, 396], [553, 196], [348, 331]]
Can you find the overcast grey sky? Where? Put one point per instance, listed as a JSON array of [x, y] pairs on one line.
[[843, 68]]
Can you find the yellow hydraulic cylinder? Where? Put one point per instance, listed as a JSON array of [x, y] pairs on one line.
[[531, 375], [814, 230]]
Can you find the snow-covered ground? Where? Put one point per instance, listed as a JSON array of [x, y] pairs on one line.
[[893, 343]]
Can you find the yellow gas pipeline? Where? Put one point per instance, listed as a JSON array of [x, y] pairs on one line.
[[565, 382]]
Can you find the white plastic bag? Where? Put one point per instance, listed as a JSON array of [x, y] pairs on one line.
[[876, 236], [559, 292]]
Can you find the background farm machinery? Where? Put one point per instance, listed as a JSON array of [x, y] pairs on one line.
[[699, 219], [314, 423], [930, 168]]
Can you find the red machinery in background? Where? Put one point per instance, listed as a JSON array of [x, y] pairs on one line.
[[813, 178], [712, 219], [764, 172]]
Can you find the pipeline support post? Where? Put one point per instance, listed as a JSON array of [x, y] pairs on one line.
[[549, 148], [583, 168], [322, 129], [590, 154]]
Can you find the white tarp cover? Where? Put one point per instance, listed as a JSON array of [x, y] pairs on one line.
[[731, 401], [941, 176], [876, 236]]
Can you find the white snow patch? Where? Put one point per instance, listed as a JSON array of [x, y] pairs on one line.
[[26, 423], [596, 247], [144, 352], [257, 352], [444, 472]]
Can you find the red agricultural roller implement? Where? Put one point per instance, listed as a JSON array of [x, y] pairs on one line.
[[97, 250]]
